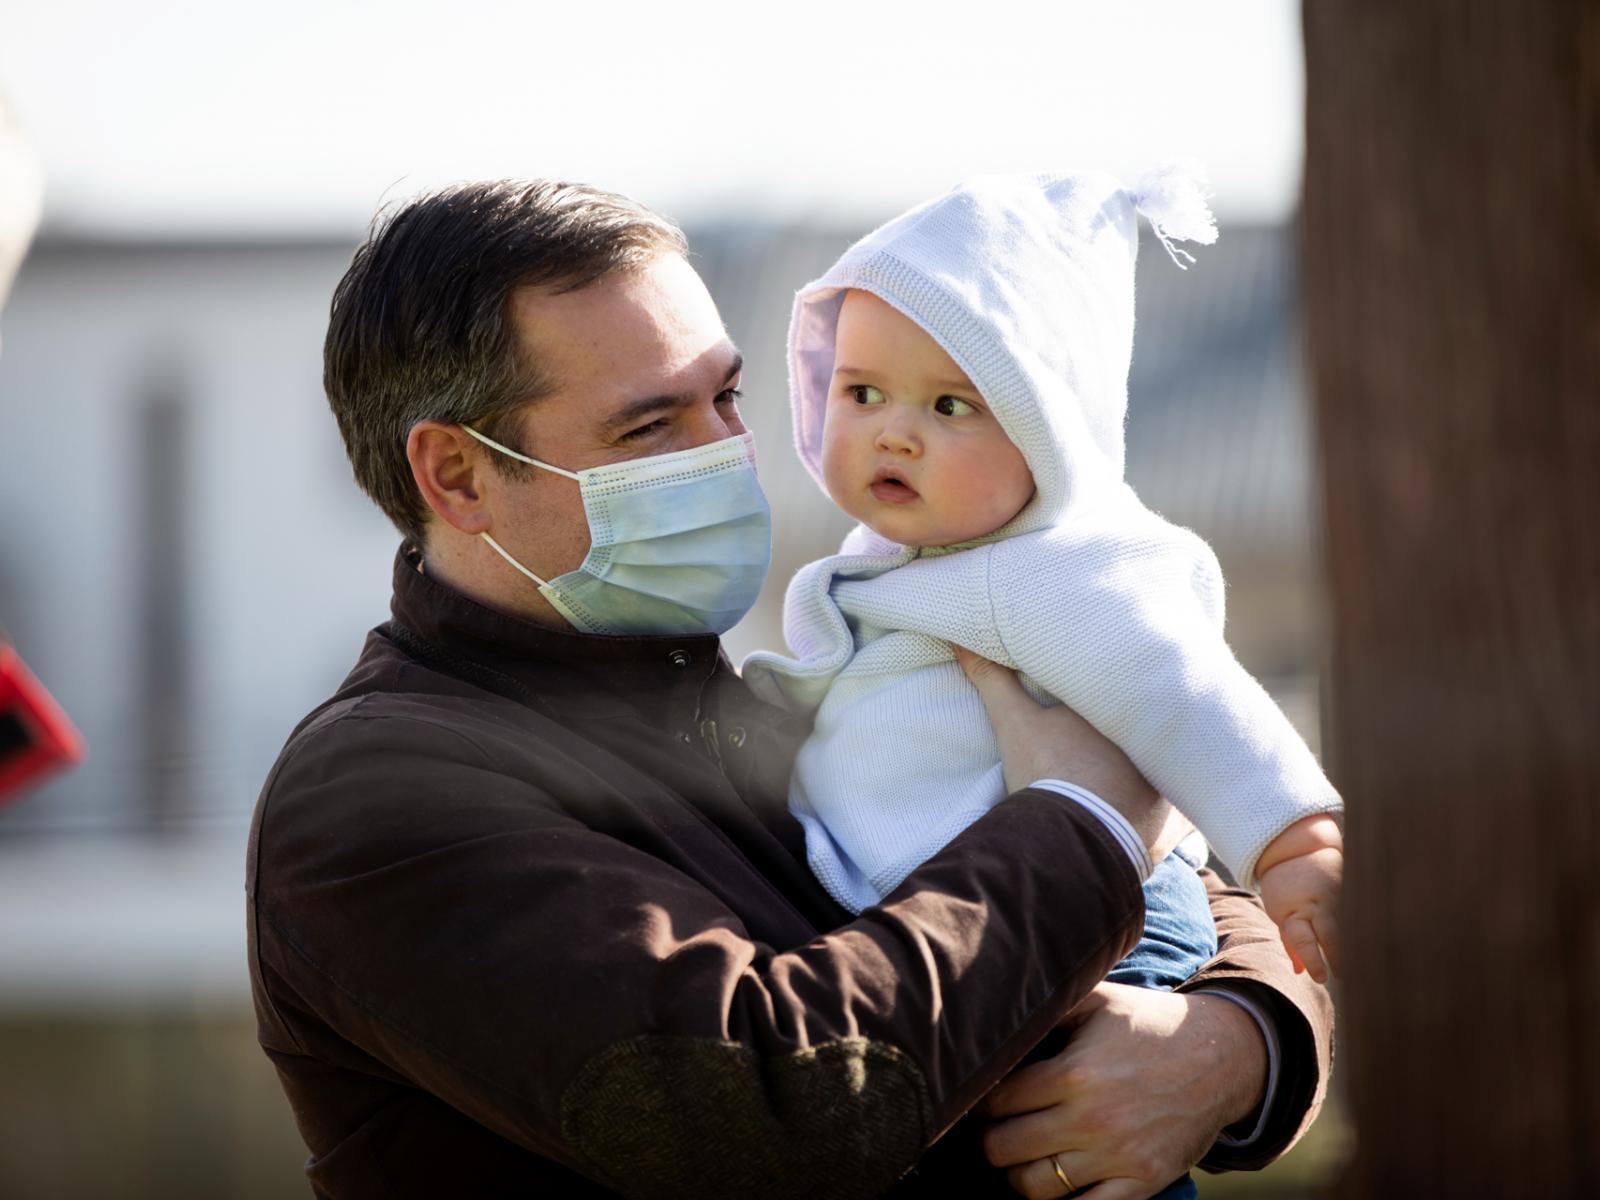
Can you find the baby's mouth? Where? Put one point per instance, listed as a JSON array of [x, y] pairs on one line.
[[888, 487]]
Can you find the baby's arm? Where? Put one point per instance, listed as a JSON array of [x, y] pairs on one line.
[[1123, 623], [1299, 873]]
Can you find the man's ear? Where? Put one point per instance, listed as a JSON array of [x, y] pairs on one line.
[[449, 469]]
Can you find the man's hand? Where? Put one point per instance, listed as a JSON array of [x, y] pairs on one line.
[[1137, 1097], [1056, 743]]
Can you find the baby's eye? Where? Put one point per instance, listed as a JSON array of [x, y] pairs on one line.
[[953, 406], [865, 393]]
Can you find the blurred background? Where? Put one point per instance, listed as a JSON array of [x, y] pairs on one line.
[[188, 566]]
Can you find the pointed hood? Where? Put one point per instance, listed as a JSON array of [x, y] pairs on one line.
[[1027, 283]]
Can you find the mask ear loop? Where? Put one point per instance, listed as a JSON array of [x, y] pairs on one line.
[[532, 462], [501, 551], [507, 450]]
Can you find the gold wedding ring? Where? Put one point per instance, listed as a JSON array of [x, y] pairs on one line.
[[1062, 1175]]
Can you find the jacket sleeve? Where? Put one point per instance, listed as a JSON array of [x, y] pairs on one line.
[[1250, 960], [588, 1001], [1123, 623]]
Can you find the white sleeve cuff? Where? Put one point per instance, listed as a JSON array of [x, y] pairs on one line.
[[1269, 1034], [1115, 822]]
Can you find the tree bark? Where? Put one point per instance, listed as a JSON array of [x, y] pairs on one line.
[[1452, 267]]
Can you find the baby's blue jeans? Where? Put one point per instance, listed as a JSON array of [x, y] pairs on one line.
[[1179, 936]]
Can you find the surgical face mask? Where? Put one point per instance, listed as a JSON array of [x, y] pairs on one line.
[[678, 543]]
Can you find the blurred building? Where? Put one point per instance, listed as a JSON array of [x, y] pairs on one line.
[[187, 563]]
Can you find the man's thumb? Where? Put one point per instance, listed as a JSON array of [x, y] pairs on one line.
[[988, 676]]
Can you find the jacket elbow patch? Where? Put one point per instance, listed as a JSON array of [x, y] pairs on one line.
[[669, 1116]]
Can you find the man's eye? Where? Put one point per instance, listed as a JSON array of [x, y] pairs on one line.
[[865, 393], [731, 396], [644, 430], [953, 406]]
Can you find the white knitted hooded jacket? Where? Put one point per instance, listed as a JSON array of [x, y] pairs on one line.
[[1027, 282]]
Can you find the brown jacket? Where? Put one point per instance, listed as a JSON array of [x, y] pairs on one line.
[[527, 916]]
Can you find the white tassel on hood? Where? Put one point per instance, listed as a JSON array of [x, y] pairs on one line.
[[1173, 199]]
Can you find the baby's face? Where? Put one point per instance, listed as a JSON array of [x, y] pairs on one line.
[[909, 448]]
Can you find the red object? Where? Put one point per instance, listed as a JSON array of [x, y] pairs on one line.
[[35, 735]]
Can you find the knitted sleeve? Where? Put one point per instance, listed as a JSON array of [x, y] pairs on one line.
[[1122, 620]]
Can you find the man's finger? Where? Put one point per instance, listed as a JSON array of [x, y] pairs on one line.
[[985, 673], [965, 658], [1020, 1140], [1030, 1088], [1120, 1189], [1039, 1181], [1001, 692]]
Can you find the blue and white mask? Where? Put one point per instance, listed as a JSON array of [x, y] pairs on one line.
[[678, 543]]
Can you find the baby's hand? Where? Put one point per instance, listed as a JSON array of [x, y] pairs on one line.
[[1299, 874]]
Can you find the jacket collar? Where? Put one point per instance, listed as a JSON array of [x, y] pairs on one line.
[[561, 671]]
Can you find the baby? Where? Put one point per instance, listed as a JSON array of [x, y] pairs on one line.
[[959, 382]]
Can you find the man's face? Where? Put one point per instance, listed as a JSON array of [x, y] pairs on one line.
[[909, 448], [640, 365]]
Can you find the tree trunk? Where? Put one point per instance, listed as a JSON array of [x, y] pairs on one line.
[[1452, 265]]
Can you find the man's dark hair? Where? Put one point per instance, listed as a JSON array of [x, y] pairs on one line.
[[418, 327]]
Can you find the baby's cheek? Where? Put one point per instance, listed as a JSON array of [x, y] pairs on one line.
[[968, 489], [836, 467]]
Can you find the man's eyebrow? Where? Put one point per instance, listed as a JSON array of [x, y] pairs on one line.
[[954, 383], [644, 407], [647, 405]]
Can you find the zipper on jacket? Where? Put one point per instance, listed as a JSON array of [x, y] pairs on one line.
[[708, 735]]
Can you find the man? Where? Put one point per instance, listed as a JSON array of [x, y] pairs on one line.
[[526, 910]]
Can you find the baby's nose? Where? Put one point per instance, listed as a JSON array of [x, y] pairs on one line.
[[899, 437]]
